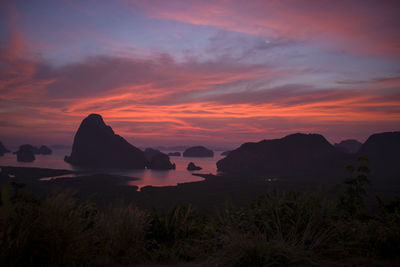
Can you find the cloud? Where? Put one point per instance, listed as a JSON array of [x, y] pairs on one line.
[[366, 27], [166, 101], [157, 98]]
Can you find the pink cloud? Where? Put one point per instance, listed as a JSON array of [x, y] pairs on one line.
[[161, 100], [367, 27], [158, 99]]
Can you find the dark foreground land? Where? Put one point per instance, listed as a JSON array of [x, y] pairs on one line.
[[222, 221], [215, 190]]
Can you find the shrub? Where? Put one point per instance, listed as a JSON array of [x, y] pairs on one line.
[[352, 199], [50, 231], [121, 234], [301, 223], [176, 235]]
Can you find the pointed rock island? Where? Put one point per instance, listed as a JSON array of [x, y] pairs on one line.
[[97, 146]]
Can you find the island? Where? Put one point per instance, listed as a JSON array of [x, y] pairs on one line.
[[192, 167], [97, 146], [198, 151]]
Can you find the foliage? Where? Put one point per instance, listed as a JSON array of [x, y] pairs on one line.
[[284, 228], [352, 200], [176, 235], [278, 229]]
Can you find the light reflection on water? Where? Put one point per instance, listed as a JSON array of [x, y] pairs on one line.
[[146, 177]]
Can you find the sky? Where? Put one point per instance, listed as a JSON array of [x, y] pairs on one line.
[[216, 73]]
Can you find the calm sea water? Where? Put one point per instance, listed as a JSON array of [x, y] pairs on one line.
[[146, 177]]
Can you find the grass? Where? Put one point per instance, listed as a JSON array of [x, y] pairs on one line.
[[280, 228]]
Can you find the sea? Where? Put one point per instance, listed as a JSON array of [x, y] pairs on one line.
[[144, 177]]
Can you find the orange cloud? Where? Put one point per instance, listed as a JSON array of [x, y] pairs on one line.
[[155, 99], [196, 105]]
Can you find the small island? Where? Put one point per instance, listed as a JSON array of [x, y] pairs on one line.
[[25, 153], [192, 167], [156, 160], [198, 151], [3, 149]]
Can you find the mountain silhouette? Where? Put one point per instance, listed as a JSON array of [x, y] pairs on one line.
[[149, 153], [349, 146], [293, 153], [382, 151], [3, 149], [225, 153], [198, 151], [157, 160], [160, 161], [192, 167], [26, 153], [43, 150], [96, 145]]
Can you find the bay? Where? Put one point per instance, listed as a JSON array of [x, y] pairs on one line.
[[145, 177]]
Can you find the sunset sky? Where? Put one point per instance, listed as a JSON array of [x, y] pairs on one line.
[[199, 72]]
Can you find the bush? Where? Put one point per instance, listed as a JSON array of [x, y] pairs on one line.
[[301, 223], [121, 234], [51, 231], [279, 229], [242, 249], [176, 235]]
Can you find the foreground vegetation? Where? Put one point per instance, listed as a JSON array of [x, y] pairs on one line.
[[280, 228]]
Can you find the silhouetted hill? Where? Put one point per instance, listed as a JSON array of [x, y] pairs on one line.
[[349, 146], [383, 150], [3, 149], [25, 153], [193, 167], [43, 150], [293, 154], [149, 153], [160, 161], [226, 153], [198, 151], [96, 145], [157, 160]]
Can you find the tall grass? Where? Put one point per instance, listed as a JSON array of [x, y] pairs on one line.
[[278, 229], [47, 231]]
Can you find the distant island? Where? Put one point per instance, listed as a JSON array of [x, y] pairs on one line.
[[310, 153], [27, 152], [97, 146], [349, 146], [157, 160], [3, 149], [192, 167], [198, 151]]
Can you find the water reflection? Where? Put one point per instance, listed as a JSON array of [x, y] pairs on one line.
[[145, 177]]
